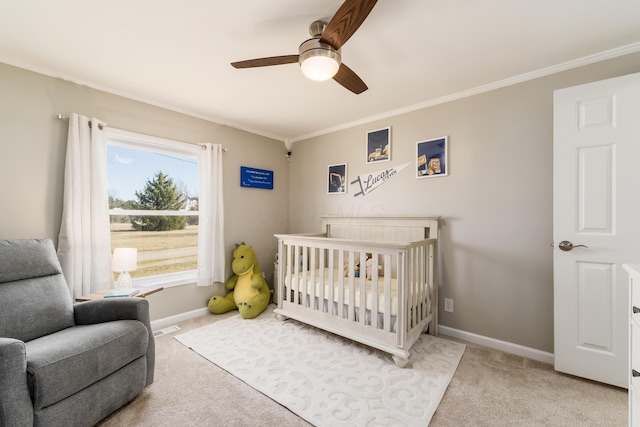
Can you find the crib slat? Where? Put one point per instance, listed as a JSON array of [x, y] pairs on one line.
[[374, 289], [387, 293], [420, 283], [340, 286], [304, 272], [287, 295], [401, 318], [299, 280], [309, 276], [433, 289], [425, 280], [330, 300], [352, 286], [362, 315], [413, 281], [314, 303], [321, 279], [281, 268]]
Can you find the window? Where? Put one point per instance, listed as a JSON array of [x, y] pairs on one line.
[[153, 189]]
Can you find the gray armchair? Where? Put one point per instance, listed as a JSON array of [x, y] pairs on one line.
[[65, 364]]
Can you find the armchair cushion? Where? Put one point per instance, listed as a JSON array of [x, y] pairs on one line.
[[107, 310], [27, 259], [61, 364], [36, 299]]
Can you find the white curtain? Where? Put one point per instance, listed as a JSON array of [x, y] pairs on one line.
[[84, 246], [211, 257]]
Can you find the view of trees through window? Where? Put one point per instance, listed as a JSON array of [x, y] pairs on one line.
[[159, 216]]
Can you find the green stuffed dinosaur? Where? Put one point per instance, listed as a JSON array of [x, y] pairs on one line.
[[250, 293]]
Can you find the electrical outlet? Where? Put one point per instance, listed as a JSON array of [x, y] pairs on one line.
[[448, 305]]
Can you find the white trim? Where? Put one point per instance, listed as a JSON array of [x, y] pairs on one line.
[[154, 144], [580, 62], [144, 99], [146, 212], [207, 157], [517, 349], [168, 280], [171, 320], [590, 59]]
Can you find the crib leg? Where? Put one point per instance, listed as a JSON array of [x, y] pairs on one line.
[[401, 362], [281, 317]]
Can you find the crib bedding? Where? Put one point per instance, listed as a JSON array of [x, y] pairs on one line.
[[337, 276]]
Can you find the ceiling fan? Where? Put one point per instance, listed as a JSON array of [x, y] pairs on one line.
[[320, 56]]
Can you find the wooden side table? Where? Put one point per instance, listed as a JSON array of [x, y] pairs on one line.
[[144, 291]]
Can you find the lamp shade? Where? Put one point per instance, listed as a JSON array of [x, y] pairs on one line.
[[124, 259], [318, 61], [320, 67]]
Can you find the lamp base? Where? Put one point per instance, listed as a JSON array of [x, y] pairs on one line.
[[124, 281]]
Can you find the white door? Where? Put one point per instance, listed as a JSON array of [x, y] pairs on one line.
[[596, 203]]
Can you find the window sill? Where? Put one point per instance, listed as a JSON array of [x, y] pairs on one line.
[[167, 280]]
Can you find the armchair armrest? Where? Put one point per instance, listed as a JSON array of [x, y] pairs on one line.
[[111, 309], [16, 408]]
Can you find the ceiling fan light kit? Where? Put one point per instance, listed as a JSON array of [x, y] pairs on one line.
[[318, 61]]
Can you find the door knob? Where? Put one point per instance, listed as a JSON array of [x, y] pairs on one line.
[[566, 245]]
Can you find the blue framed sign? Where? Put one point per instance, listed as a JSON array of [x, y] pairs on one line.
[[256, 178]]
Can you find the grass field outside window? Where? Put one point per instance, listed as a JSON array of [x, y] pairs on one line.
[[159, 252]]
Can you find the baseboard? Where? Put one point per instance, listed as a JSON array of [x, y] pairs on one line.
[[517, 349], [172, 320]]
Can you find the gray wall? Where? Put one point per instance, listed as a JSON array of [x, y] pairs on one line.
[[496, 204], [32, 166]]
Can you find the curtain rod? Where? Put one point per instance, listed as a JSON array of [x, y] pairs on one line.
[[61, 117], [204, 147]]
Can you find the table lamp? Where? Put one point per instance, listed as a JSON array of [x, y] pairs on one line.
[[124, 260]]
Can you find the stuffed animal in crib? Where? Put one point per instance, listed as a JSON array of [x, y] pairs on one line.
[[356, 268], [369, 267], [249, 292]]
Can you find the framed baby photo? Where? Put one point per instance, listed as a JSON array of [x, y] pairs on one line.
[[379, 145], [337, 179], [432, 158]]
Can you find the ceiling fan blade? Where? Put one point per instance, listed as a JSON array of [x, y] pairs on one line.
[[265, 62], [346, 21], [350, 80]]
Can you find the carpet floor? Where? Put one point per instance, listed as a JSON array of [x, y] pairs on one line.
[[489, 388]]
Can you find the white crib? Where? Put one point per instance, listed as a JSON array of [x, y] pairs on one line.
[[386, 304]]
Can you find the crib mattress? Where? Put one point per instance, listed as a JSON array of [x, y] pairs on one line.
[[337, 275]]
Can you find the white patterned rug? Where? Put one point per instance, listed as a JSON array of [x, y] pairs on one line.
[[326, 379]]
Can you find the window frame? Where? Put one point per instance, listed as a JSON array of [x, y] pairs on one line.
[[135, 141]]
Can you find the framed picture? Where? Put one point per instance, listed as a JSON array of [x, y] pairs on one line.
[[432, 158], [337, 179], [379, 145]]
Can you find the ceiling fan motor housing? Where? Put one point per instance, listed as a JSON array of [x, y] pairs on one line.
[[319, 61]]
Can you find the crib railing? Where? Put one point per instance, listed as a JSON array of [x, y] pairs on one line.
[[321, 275]]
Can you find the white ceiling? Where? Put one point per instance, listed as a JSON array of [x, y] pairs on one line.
[[411, 53]]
